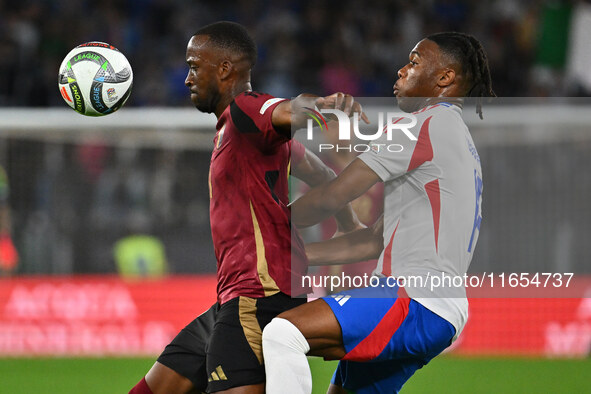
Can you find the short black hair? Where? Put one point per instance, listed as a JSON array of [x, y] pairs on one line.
[[232, 36], [469, 53]]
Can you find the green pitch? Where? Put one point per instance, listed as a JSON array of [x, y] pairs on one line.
[[443, 375], [455, 375]]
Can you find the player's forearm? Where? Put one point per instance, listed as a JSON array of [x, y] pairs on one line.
[[352, 247], [347, 219], [324, 201], [314, 172], [315, 206], [290, 115]]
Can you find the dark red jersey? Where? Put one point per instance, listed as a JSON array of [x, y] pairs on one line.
[[249, 214]]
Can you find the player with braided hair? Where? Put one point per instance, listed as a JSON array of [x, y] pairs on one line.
[[383, 333], [468, 52]]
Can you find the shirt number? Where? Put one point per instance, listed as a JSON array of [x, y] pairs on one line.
[[478, 212]]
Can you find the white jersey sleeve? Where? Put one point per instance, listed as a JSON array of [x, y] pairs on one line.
[[395, 153]]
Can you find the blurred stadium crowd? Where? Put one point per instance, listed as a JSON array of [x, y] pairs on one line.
[[319, 46], [72, 202]]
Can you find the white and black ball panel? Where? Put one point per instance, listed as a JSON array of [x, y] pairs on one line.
[[95, 79]]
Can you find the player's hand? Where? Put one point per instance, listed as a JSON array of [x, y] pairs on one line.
[[343, 102]]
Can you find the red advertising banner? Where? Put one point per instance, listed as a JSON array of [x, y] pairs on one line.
[[551, 327], [513, 317], [97, 315], [111, 316]]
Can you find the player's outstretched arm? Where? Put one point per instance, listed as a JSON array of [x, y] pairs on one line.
[[360, 245], [314, 172], [310, 169], [327, 199], [290, 115]]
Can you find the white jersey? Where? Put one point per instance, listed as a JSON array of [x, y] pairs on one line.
[[432, 214]]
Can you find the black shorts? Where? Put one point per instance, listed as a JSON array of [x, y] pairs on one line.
[[222, 348]]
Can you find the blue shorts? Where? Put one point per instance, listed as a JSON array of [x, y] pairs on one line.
[[387, 338]]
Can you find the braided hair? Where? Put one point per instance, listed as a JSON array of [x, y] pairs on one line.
[[469, 53]]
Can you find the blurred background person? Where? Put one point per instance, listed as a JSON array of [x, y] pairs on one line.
[[140, 254], [8, 254]]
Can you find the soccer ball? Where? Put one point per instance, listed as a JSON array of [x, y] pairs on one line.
[[95, 79]]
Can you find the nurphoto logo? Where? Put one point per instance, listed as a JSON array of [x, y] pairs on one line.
[[395, 122]]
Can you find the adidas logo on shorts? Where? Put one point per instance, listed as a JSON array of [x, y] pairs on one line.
[[218, 374], [341, 299]]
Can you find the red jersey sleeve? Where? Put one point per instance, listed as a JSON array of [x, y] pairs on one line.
[[251, 113]]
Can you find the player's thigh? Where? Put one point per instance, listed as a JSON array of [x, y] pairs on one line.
[[382, 359], [183, 361], [422, 334], [234, 354], [333, 325], [369, 317], [317, 322], [250, 389], [164, 380], [373, 377], [334, 389]]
